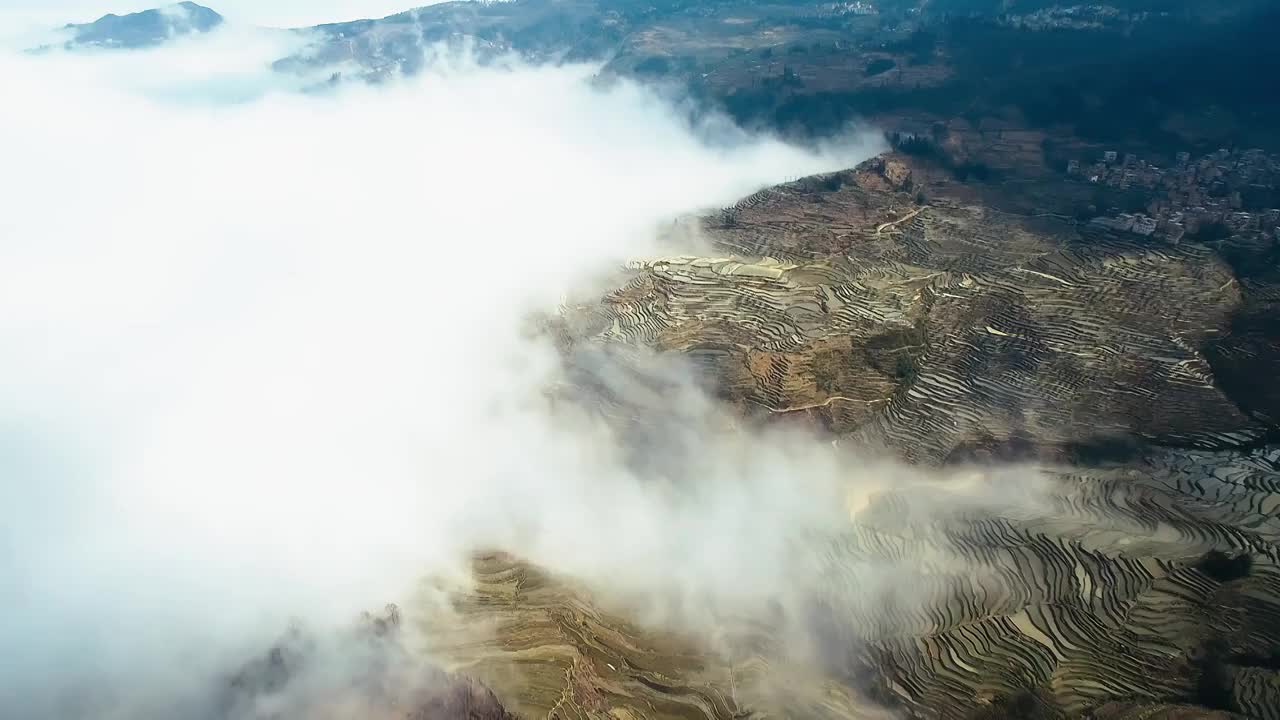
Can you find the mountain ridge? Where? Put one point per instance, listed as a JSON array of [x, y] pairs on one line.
[[147, 28]]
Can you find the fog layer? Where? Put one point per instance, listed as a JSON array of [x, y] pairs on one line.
[[263, 359]]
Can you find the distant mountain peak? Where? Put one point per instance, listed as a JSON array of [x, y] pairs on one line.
[[146, 28]]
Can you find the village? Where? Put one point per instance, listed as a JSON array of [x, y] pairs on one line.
[[1076, 17], [1225, 191]]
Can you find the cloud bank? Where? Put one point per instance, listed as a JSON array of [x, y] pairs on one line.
[[262, 357]]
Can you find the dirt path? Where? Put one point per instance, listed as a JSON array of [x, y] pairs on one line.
[[885, 226]]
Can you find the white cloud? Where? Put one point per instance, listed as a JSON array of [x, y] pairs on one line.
[[263, 358]]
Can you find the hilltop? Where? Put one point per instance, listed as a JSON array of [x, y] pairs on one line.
[[145, 29]]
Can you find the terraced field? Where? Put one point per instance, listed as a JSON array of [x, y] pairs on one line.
[[1156, 582], [941, 330], [1143, 581]]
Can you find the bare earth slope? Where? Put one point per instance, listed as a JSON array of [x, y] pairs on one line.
[[1153, 583], [1145, 583], [942, 329], [1109, 395]]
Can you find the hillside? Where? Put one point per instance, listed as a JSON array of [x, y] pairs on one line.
[[1148, 76], [944, 333], [1124, 564], [144, 29], [807, 68]]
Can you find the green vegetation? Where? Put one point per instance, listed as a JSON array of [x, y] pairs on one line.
[[879, 66], [1182, 84], [919, 46], [653, 66], [1211, 232], [925, 148]]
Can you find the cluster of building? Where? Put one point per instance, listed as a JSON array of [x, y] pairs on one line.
[[1073, 17], [1220, 188], [857, 7]]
